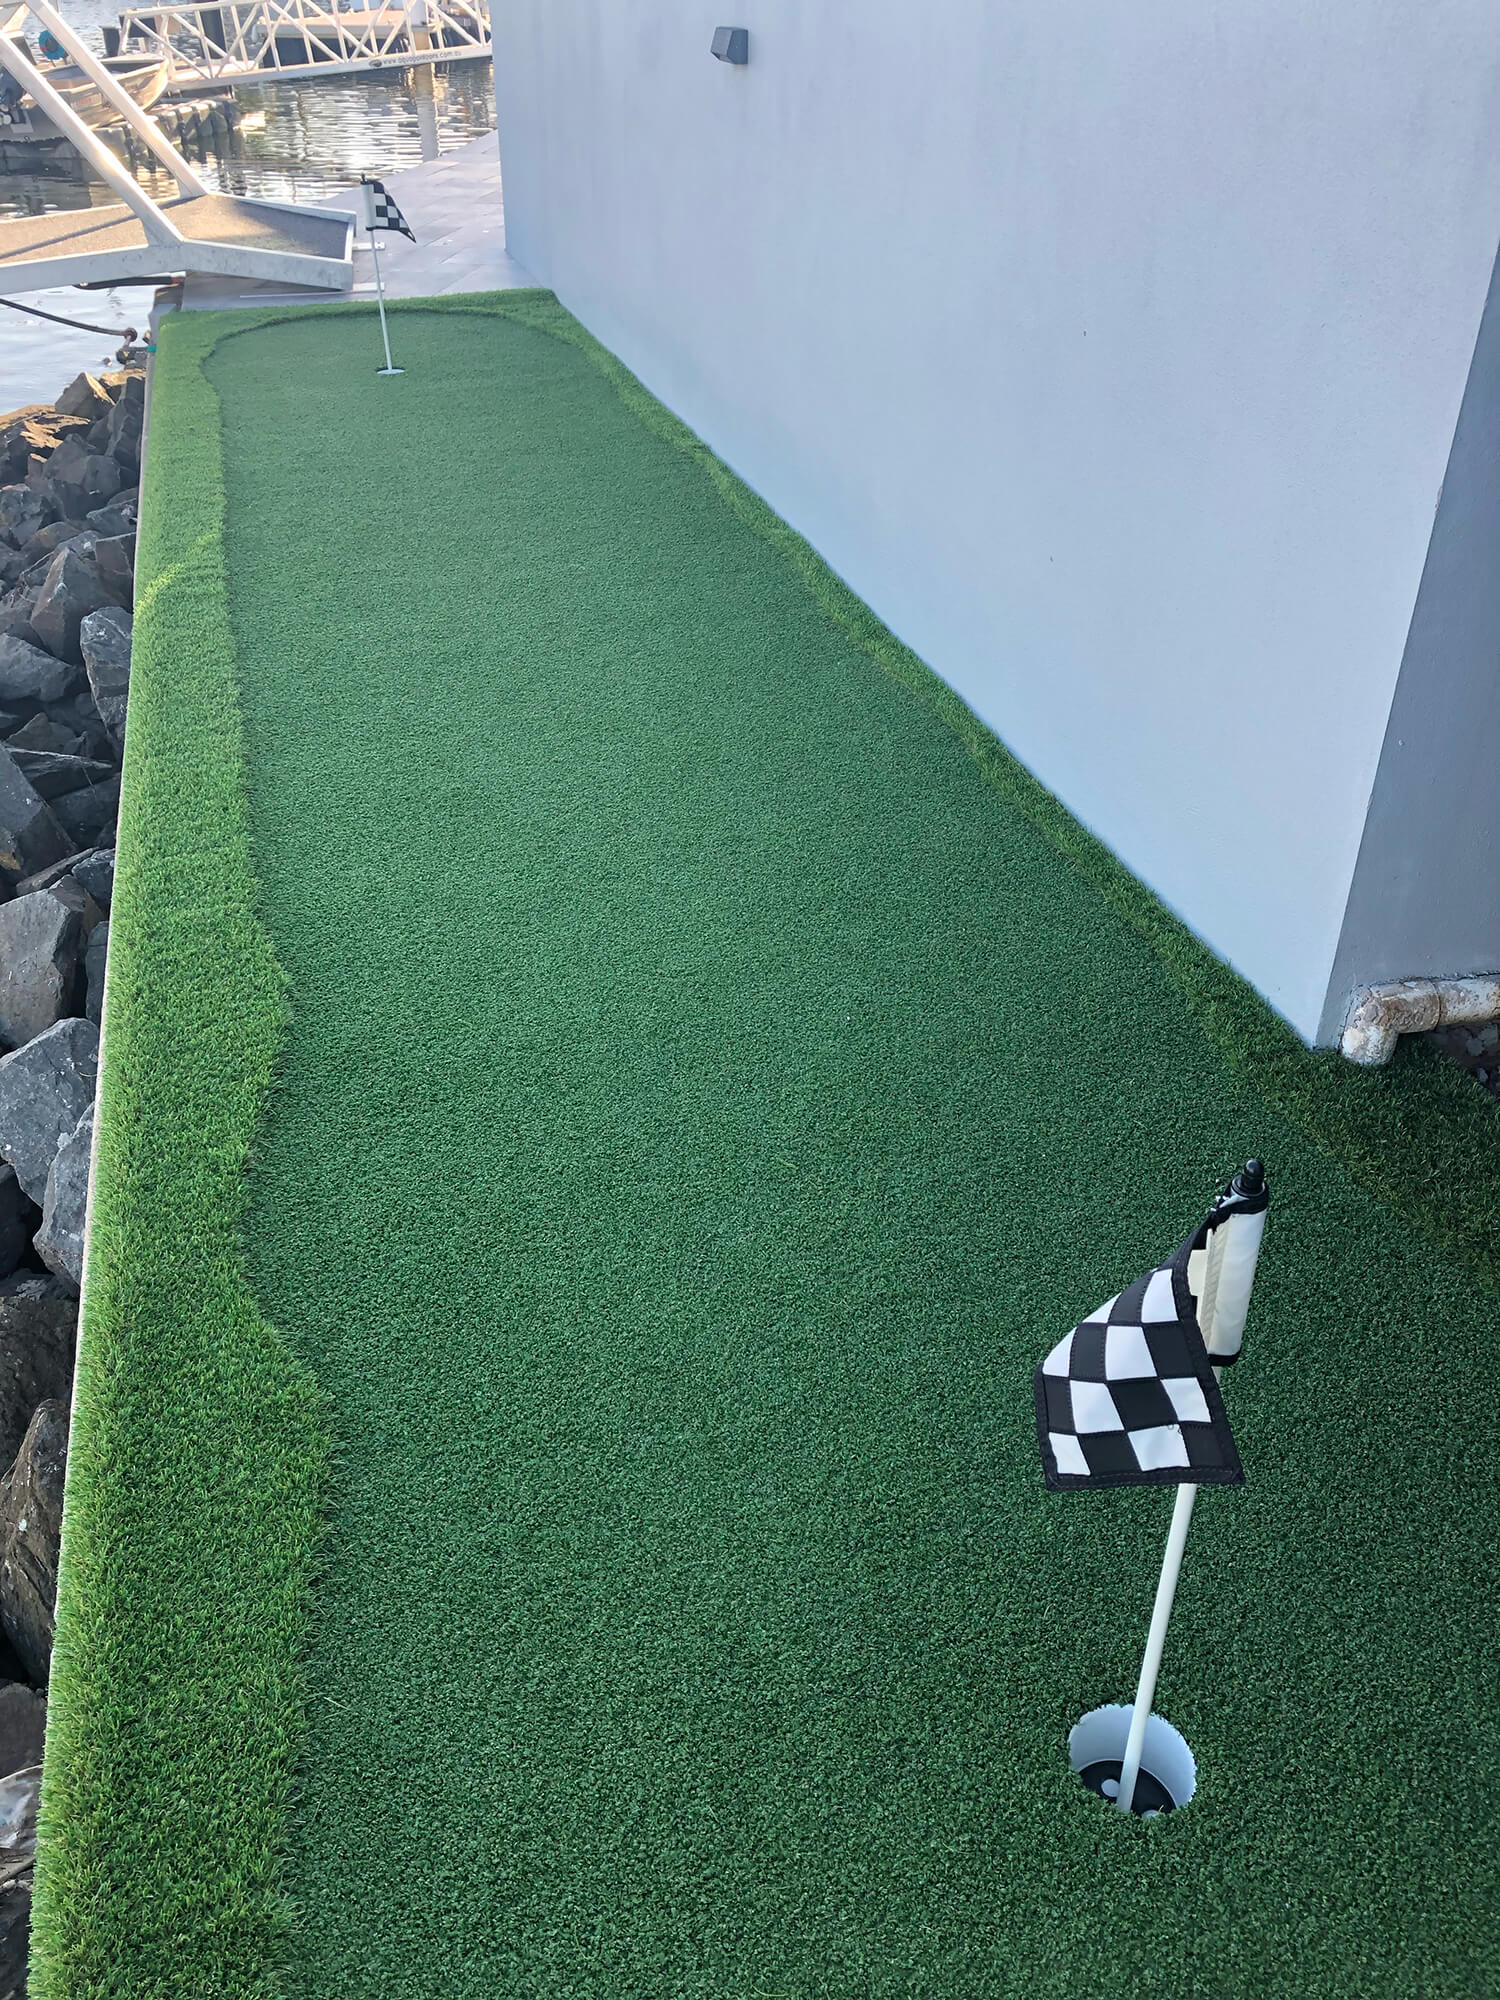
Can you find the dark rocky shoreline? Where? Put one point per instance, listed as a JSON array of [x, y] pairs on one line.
[[68, 489]]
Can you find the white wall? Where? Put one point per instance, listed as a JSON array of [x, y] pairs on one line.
[[1111, 350]]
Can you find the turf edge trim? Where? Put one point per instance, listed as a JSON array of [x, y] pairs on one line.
[[192, 1519]]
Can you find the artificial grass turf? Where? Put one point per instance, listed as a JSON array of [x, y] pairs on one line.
[[197, 1440], [707, 1094]]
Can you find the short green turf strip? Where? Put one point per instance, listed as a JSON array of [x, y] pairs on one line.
[[705, 1101], [709, 1091]]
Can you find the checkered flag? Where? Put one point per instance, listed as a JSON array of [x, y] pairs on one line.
[[380, 210], [1130, 1396]]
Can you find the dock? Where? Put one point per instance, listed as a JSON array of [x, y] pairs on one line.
[[456, 209], [215, 232]]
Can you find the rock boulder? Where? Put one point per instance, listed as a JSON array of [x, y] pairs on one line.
[[15, 616], [125, 423], [30, 1526], [68, 889], [59, 1241], [38, 1333], [41, 941], [71, 589], [104, 637], [23, 1725], [96, 871], [24, 512], [118, 518], [95, 957], [39, 732], [53, 772], [18, 1222], [30, 835], [79, 479], [34, 432], [85, 396], [114, 558], [45, 1088], [29, 674], [46, 542], [20, 1794], [88, 815], [15, 1932], [44, 878], [78, 717]]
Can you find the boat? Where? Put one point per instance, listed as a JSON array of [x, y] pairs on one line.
[[24, 126]]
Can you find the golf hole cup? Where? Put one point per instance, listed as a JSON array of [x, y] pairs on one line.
[[1096, 1750]]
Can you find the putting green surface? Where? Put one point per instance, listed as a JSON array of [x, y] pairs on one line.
[[708, 1092]]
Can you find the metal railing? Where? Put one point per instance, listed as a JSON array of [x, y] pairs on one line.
[[246, 40]]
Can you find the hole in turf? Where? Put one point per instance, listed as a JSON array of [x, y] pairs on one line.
[[1096, 1750]]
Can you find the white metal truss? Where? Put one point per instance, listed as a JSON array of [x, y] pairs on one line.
[[145, 128], [259, 41], [152, 218]]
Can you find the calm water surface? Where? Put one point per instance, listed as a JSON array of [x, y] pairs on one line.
[[297, 142]]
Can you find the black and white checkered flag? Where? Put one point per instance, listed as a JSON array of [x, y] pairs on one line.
[[380, 208], [1129, 1397]]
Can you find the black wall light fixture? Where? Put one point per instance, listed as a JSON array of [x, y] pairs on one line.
[[732, 44]]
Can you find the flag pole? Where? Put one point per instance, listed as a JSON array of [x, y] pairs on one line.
[[1233, 1251], [1156, 1640], [388, 369]]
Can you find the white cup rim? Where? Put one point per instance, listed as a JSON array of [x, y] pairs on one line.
[[1099, 1737]]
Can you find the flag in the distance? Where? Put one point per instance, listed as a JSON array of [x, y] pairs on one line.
[[380, 210]]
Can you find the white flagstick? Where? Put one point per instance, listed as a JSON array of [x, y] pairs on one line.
[[1233, 1251], [380, 301], [1156, 1640], [367, 211]]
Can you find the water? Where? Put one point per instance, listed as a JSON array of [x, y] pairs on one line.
[[296, 142]]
